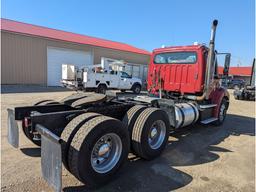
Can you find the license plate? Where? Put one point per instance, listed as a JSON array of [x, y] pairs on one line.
[[51, 161], [13, 129]]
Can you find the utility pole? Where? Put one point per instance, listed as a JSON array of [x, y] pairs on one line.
[[239, 63]]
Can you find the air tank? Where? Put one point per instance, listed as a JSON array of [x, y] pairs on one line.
[[186, 114]]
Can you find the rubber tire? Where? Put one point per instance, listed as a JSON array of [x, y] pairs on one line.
[[70, 130], [134, 89], [237, 97], [117, 110], [83, 142], [30, 135], [70, 99], [131, 116], [26, 131], [218, 122], [102, 89], [46, 102], [140, 131], [91, 99]]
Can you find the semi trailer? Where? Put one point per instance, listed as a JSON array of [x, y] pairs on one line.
[[91, 134]]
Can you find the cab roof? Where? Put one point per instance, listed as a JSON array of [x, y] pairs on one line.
[[180, 48]]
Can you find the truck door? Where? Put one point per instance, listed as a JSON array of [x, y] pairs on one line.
[[124, 82], [114, 79]]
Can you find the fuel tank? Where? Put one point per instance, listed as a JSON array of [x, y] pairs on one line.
[[186, 114]]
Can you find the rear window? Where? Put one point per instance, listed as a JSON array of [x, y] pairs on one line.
[[175, 58]]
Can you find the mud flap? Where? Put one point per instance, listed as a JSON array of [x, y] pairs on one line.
[[51, 161], [13, 129]]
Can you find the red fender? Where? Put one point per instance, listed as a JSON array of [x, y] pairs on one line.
[[216, 97]]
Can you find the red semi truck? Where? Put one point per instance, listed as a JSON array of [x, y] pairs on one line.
[[184, 73], [92, 134]]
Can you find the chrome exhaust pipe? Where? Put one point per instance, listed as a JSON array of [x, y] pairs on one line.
[[209, 67], [210, 61]]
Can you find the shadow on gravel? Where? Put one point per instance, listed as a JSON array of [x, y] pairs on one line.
[[5, 89], [197, 144], [30, 89], [140, 175], [32, 152], [188, 146]]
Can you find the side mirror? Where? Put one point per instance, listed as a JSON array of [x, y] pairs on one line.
[[226, 65]]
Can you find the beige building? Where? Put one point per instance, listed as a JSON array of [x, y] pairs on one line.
[[33, 54]]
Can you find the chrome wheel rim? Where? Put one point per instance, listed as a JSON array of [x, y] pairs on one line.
[[222, 112], [106, 153], [156, 134]]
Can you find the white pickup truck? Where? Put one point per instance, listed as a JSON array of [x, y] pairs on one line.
[[99, 78]]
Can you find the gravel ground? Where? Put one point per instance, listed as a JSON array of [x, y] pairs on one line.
[[197, 158]]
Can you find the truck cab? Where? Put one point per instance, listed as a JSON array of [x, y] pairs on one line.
[[188, 76], [180, 70]]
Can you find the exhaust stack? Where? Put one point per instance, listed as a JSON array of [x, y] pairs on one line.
[[252, 79], [210, 61]]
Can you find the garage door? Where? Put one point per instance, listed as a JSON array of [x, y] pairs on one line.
[[58, 56]]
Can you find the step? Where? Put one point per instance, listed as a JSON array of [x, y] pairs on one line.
[[207, 121], [207, 106]]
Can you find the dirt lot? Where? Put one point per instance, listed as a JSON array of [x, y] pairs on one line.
[[197, 158]]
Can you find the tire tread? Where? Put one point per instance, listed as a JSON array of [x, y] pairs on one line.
[[137, 131], [85, 101], [69, 132], [78, 140]]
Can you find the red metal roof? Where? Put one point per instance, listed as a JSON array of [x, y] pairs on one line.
[[240, 71], [29, 29]]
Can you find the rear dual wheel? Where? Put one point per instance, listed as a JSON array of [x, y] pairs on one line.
[[69, 132], [46, 102], [97, 149], [149, 131], [76, 96], [90, 99]]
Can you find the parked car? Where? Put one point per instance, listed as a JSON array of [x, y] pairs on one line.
[[236, 83]]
